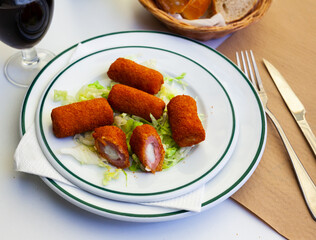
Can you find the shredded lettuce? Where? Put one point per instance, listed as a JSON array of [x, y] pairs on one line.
[[166, 93], [136, 164], [126, 122], [91, 91], [111, 174], [86, 92], [85, 139], [151, 63], [63, 97], [169, 90], [178, 80], [96, 85], [83, 154]]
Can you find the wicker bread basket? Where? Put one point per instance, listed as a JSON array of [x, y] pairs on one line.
[[206, 33]]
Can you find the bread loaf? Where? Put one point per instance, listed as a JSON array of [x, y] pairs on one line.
[[189, 9], [233, 10], [172, 6], [195, 9]]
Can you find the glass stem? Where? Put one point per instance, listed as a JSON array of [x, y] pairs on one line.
[[29, 56]]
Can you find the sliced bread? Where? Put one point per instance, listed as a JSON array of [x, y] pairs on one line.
[[233, 10]]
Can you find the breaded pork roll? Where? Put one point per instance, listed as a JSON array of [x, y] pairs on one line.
[[132, 74], [186, 127], [80, 117], [136, 102], [110, 142], [146, 144]]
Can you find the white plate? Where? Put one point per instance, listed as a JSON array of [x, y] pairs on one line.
[[203, 162], [252, 125]]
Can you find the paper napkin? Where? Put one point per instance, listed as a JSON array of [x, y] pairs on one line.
[[216, 20], [29, 158]]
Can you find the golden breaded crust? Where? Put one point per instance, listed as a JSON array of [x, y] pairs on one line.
[[196, 9], [80, 117], [130, 73], [136, 102], [139, 141], [116, 138], [172, 6], [186, 127]]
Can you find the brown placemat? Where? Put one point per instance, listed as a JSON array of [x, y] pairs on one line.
[[285, 38]]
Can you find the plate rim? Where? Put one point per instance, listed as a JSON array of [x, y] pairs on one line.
[[91, 207], [222, 159]]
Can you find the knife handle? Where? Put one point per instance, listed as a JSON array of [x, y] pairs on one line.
[[308, 134], [305, 182]]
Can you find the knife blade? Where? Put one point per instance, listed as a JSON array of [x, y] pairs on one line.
[[293, 103]]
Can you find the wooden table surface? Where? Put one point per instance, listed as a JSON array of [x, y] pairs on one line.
[[286, 37]]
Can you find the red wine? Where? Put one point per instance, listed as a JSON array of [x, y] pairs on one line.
[[24, 23]]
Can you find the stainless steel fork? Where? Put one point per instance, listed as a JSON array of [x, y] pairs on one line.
[[249, 67]]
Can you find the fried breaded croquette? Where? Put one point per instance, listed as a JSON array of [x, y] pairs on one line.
[[146, 144], [80, 117], [110, 142], [186, 127], [136, 102], [132, 74]]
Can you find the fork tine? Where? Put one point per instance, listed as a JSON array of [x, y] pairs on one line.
[[246, 69], [238, 62], [259, 81], [252, 78], [244, 64]]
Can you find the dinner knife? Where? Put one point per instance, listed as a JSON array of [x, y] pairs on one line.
[[293, 103]]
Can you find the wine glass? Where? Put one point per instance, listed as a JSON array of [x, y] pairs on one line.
[[23, 23]]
